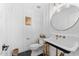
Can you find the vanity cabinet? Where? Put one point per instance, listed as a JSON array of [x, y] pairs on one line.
[[46, 50]]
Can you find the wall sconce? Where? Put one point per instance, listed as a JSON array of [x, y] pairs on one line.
[[28, 20]]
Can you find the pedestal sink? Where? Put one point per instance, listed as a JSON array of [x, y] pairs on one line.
[[69, 43]]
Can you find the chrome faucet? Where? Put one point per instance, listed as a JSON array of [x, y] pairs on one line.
[[60, 36]]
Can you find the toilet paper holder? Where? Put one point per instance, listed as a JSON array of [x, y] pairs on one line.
[[4, 47]]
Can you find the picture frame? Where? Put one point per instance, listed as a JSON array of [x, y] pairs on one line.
[[28, 20]]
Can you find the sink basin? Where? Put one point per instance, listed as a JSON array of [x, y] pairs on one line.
[[69, 43]]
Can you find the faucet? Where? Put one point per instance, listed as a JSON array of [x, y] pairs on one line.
[[60, 36]]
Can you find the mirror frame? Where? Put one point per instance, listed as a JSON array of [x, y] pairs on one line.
[[66, 28]]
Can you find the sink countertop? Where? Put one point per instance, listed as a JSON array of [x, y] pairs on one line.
[[68, 44]]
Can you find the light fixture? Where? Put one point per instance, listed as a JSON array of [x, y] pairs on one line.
[[38, 6], [67, 5]]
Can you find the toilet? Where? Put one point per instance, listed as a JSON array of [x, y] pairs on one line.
[[36, 48]]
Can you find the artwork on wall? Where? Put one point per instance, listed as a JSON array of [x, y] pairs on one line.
[[28, 20]]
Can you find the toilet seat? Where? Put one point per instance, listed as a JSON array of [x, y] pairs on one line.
[[35, 46]]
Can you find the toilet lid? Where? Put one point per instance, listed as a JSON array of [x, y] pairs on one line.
[[35, 45]]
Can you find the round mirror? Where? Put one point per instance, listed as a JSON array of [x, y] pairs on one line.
[[66, 18]]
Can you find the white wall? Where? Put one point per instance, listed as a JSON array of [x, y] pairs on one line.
[[12, 29], [15, 34], [48, 30]]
